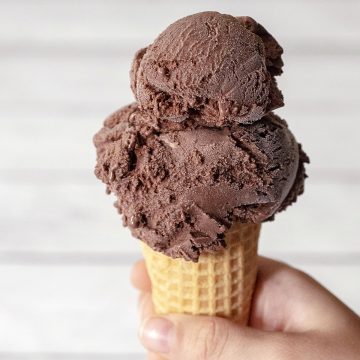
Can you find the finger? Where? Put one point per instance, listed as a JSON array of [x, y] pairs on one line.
[[209, 338], [267, 266], [153, 356], [289, 300], [145, 306], [270, 304], [139, 276], [146, 310]]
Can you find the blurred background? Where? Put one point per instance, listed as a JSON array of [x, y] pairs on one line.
[[64, 256]]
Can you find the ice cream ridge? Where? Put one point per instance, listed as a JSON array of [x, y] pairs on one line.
[[199, 161]]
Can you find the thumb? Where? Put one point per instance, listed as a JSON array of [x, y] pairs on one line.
[[207, 338]]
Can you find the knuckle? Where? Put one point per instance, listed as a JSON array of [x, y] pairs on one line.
[[298, 274], [211, 340], [284, 350]]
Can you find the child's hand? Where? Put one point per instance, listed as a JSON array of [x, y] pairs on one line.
[[292, 317]]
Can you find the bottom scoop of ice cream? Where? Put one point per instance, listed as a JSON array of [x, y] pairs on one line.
[[180, 186]]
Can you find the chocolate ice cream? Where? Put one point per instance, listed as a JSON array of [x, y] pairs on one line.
[[211, 64], [180, 186], [273, 50], [200, 150]]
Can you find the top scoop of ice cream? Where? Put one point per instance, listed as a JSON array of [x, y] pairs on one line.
[[273, 50], [180, 186], [210, 64]]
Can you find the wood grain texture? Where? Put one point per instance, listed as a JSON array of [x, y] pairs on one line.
[[62, 355], [93, 21], [81, 309], [64, 255], [65, 141], [74, 79], [60, 103], [81, 218], [73, 309]]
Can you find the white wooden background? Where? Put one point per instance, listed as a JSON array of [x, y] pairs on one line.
[[64, 256]]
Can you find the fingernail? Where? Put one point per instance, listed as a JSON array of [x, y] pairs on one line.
[[156, 334]]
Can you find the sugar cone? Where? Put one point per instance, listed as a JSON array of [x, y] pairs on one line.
[[218, 284]]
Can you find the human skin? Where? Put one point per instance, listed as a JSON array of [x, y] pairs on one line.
[[292, 317]]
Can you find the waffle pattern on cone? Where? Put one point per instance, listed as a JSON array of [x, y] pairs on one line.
[[219, 284]]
